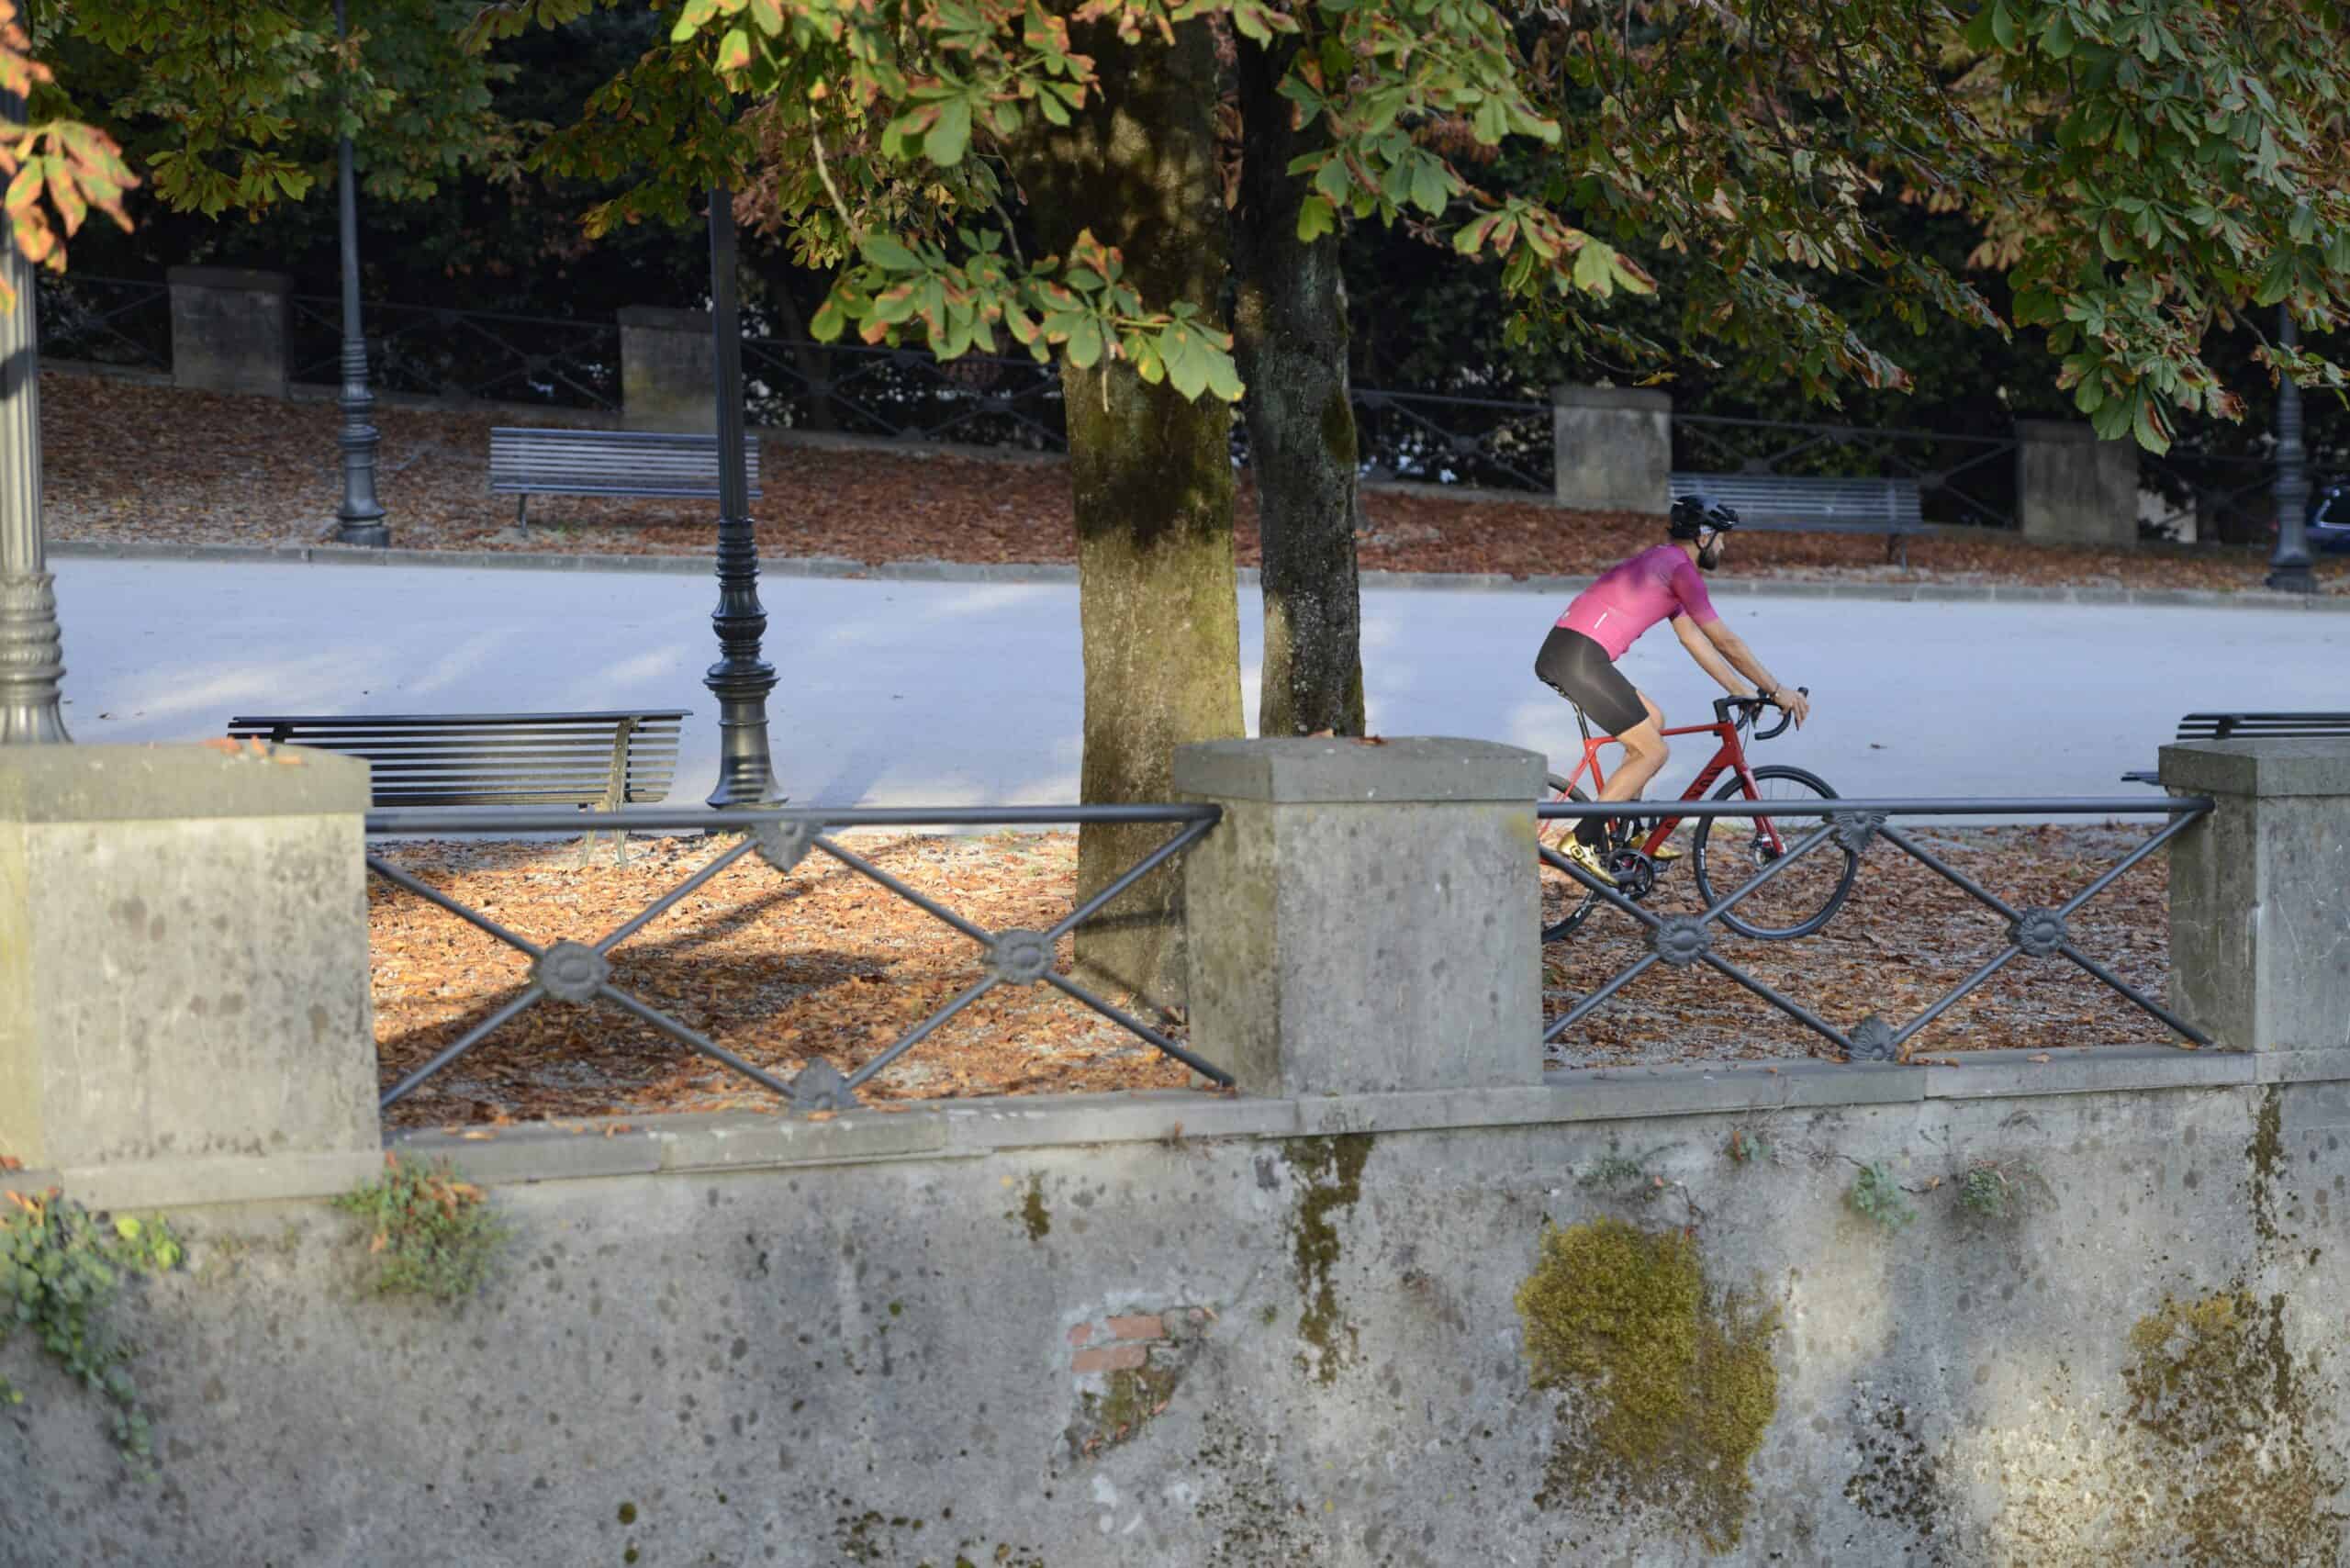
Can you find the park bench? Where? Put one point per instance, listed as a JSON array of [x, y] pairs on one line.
[[2251, 726], [602, 761], [532, 461], [1802, 503]]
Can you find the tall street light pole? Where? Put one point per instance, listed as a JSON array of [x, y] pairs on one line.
[[740, 679], [2289, 568], [360, 519], [32, 659]]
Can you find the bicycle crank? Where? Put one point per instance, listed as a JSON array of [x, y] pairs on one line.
[[1634, 872]]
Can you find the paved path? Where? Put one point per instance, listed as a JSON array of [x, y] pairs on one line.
[[902, 693]]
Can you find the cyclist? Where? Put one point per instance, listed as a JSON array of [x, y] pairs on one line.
[[1578, 658]]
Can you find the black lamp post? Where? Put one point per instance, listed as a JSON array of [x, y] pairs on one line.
[[2289, 568], [740, 679], [32, 660], [360, 519]]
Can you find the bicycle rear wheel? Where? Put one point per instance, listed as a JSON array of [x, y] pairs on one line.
[[1799, 899], [1580, 901]]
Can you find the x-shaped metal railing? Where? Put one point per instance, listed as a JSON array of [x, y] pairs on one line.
[[906, 393], [73, 319], [578, 973], [1853, 826], [1426, 440], [439, 352]]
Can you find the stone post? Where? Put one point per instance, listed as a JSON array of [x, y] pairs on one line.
[[2260, 893], [230, 328], [2071, 488], [184, 983], [1365, 918], [1613, 446], [668, 370]]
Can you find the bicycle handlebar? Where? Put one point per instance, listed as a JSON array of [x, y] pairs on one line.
[[1751, 708]]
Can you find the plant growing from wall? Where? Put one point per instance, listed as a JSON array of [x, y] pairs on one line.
[[1986, 1192], [431, 1231], [1875, 1195], [60, 1270], [1747, 1147]]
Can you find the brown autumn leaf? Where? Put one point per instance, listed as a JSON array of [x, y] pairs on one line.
[[10, 1162]]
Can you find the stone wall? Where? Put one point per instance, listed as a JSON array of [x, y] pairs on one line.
[[1196, 1330]]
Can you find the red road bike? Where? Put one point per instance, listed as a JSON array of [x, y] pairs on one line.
[[1724, 851]]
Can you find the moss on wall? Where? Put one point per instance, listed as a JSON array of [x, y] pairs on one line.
[[1671, 1381]]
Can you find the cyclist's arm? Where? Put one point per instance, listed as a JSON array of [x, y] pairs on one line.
[[1734, 647], [1697, 639]]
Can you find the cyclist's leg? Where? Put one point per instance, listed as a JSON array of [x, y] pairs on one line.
[[1644, 755]]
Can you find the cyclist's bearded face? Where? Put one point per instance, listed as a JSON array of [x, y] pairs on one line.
[[1709, 553]]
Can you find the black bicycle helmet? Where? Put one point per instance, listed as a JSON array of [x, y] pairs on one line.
[[1693, 515]]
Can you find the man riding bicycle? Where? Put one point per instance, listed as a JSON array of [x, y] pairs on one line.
[[1578, 658]]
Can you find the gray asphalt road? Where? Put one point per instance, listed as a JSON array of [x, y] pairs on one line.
[[900, 693]]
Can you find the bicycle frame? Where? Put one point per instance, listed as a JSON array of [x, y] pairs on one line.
[[1729, 758]]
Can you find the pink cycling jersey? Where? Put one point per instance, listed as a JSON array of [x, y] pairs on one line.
[[1631, 597]]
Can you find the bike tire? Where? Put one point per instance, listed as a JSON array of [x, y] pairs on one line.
[[1565, 927], [1806, 914]]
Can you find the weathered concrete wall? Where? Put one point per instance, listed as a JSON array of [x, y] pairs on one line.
[[1613, 448], [1289, 1332], [668, 370], [2071, 488], [230, 328]]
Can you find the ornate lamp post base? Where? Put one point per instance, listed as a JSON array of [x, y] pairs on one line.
[[740, 679], [32, 661]]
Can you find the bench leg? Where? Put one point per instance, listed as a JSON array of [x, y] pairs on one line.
[[522, 513]]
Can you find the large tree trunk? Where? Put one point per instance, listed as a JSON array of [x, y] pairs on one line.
[[1152, 473], [1290, 333]]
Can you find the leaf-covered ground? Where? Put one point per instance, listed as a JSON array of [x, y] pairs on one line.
[[130, 463], [823, 962]]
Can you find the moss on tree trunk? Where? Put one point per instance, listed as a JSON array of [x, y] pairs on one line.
[[1290, 337], [1152, 476]]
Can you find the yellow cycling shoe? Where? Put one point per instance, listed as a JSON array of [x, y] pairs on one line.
[[1586, 857]]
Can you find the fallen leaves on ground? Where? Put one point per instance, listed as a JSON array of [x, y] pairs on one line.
[[128, 463], [1903, 938], [784, 968]]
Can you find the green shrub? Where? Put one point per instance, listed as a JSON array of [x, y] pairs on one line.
[[60, 1269], [1875, 1195], [431, 1231]]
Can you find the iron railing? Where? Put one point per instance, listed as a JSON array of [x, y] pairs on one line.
[[1960, 478], [121, 322], [904, 394], [577, 973], [1854, 826], [473, 355], [2214, 497]]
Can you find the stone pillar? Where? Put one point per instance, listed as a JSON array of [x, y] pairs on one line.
[[230, 328], [184, 983], [1614, 448], [2071, 488], [1366, 917], [668, 370], [2260, 893]]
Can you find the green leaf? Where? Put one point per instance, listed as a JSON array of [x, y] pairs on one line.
[[1595, 269], [2003, 26], [1054, 109], [1224, 376], [887, 254], [1315, 217], [1331, 180], [734, 50], [1429, 188], [951, 134], [1187, 368], [828, 321], [126, 1227], [2058, 37], [2152, 429], [1084, 343], [690, 20]]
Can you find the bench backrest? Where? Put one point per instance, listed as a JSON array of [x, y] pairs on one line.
[[1801, 498], [2263, 726], [493, 759], [609, 463]]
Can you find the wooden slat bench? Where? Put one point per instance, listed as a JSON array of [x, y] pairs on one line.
[[602, 761], [1795, 503], [2251, 726], [532, 461]]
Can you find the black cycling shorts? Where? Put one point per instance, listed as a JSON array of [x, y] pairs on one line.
[[1579, 670]]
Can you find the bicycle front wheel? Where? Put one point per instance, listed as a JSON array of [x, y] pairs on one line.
[[1729, 850]]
